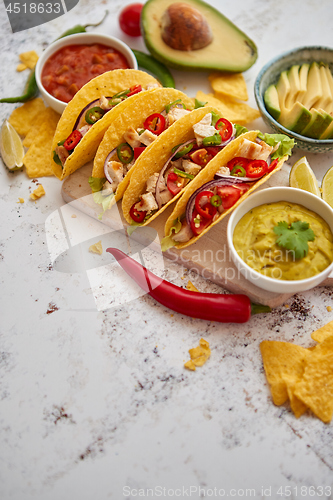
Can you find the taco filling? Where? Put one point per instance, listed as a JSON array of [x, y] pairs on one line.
[[91, 114]]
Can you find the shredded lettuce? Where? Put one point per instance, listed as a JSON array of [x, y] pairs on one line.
[[167, 242], [104, 201], [96, 183], [286, 144], [240, 129], [199, 104]]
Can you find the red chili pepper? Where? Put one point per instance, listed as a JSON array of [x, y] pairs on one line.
[[155, 123], [272, 165], [134, 90], [224, 308], [225, 128], [72, 140], [238, 161], [256, 168], [203, 205], [138, 150], [137, 215]]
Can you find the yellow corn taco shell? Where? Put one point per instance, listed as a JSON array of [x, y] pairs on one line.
[[107, 84], [206, 175], [153, 159], [134, 116]]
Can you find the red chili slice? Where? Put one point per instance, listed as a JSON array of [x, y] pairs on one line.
[[134, 90], [256, 168], [137, 215], [201, 222], [201, 157], [72, 140], [138, 151], [172, 183], [272, 165], [229, 195], [225, 128], [203, 205], [238, 161], [155, 123]]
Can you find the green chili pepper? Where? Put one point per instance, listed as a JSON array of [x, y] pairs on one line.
[[182, 152], [238, 171], [216, 200], [213, 140], [215, 118], [155, 67], [181, 173], [56, 159], [81, 29], [125, 153], [122, 93], [169, 106], [93, 115]]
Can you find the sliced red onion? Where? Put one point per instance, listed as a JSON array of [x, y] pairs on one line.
[[228, 181], [85, 109], [106, 170]]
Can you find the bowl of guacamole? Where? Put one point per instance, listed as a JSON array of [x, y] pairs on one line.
[[281, 239]]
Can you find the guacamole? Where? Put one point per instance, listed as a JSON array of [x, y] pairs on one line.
[[255, 242]]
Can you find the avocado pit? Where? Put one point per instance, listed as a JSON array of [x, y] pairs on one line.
[[184, 28]]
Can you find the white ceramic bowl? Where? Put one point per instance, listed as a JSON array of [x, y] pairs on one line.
[[78, 39], [272, 195]]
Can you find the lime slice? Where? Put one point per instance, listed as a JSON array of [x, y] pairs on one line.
[[11, 147], [327, 187], [302, 177]]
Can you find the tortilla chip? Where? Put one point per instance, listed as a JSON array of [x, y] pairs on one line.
[[21, 67], [37, 160], [236, 112], [191, 287], [323, 333], [297, 406], [96, 248], [29, 58], [37, 193], [48, 115], [230, 84], [190, 365], [284, 367], [23, 117], [199, 355]]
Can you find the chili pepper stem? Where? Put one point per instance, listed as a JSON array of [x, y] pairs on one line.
[[259, 308], [97, 24]]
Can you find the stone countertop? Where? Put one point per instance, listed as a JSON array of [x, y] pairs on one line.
[[96, 403]]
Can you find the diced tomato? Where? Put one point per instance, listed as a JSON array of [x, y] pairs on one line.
[[134, 90], [155, 123], [198, 220], [175, 183], [137, 215], [203, 205], [213, 150], [238, 161], [229, 195], [201, 157], [242, 188], [138, 151], [225, 128], [72, 140], [272, 165], [256, 168]]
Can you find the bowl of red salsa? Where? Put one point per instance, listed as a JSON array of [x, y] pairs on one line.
[[71, 62]]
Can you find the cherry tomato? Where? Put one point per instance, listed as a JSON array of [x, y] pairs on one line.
[[203, 205], [272, 165], [229, 196], [134, 90], [225, 128], [72, 140], [172, 183], [137, 215], [238, 161], [199, 221], [242, 188], [129, 19], [155, 123], [256, 168], [201, 157], [213, 150], [138, 151]]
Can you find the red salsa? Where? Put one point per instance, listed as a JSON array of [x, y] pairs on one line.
[[67, 70]]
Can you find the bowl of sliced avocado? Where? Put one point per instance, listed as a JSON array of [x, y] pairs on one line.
[[294, 93]]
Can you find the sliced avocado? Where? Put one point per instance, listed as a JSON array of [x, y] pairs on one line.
[[314, 87], [329, 77], [325, 100], [271, 99], [230, 48], [283, 89], [316, 126], [303, 81], [293, 76], [297, 118], [328, 133]]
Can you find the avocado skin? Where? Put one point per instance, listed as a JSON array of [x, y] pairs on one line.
[[160, 53], [271, 99]]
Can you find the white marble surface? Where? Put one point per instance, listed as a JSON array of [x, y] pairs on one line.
[[97, 404]]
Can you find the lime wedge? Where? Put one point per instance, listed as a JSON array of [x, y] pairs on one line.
[[11, 147], [327, 187], [302, 177]]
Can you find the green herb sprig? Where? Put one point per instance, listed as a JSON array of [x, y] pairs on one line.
[[294, 237]]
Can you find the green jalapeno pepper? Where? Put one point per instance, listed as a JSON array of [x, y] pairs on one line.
[[238, 171], [216, 200], [94, 114], [182, 152], [125, 153], [181, 173], [213, 140]]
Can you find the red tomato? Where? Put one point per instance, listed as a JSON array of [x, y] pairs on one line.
[[238, 161], [155, 123], [243, 188], [229, 195], [138, 151], [272, 165], [201, 157], [225, 128], [172, 183], [129, 19], [201, 223], [203, 205], [256, 168], [137, 215], [213, 150]]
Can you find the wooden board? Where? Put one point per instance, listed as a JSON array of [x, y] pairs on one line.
[[209, 256]]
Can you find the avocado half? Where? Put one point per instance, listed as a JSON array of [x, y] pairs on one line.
[[230, 50]]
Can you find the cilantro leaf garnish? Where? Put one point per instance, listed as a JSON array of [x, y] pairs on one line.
[[294, 237]]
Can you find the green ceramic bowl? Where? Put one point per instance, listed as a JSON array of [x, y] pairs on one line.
[[270, 74]]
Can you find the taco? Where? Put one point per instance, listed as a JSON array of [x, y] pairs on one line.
[[245, 164], [131, 133], [91, 111], [171, 163]]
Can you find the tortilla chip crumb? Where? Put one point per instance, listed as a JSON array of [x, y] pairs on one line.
[[21, 200], [191, 287], [29, 59], [199, 355], [329, 309], [37, 193], [21, 67], [96, 248], [73, 216]]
